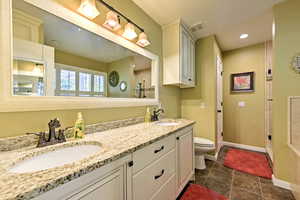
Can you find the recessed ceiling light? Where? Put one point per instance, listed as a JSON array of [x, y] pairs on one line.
[[244, 36]]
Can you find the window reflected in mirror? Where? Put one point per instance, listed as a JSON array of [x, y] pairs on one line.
[[53, 57]]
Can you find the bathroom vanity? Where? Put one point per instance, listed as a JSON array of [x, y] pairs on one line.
[[137, 162]]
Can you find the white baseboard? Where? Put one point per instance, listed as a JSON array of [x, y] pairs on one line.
[[281, 183], [243, 146]]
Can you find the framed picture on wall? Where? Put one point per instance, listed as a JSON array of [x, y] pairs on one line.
[[242, 82]]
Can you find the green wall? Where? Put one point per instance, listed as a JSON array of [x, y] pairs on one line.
[[79, 61], [126, 73], [18, 123], [285, 83], [199, 103], [245, 125]]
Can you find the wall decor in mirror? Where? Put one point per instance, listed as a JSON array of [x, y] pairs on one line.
[[54, 57], [123, 86]]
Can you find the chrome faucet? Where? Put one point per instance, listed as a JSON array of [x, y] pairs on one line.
[[52, 137], [156, 114]]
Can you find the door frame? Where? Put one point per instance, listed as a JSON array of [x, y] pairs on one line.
[[219, 88], [268, 100]]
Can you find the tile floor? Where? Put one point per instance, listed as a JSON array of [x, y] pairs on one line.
[[237, 185]]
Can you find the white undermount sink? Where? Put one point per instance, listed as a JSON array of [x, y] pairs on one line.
[[55, 158], [167, 123]]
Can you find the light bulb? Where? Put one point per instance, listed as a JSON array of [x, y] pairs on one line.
[[88, 9], [244, 36], [112, 21], [129, 32], [143, 40]]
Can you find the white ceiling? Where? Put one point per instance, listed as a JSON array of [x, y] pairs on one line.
[[227, 19]]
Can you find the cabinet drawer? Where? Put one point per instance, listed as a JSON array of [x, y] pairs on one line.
[[167, 191], [148, 181], [149, 154]]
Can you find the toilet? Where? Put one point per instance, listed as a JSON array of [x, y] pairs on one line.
[[202, 147]]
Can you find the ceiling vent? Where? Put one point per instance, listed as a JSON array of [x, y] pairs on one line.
[[197, 27]]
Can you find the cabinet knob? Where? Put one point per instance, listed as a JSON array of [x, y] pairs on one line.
[[190, 79], [130, 164]]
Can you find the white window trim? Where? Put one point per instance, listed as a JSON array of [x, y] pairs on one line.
[[10, 103], [59, 67]]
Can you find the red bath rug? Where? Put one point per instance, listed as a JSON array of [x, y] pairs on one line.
[[197, 192], [249, 162]]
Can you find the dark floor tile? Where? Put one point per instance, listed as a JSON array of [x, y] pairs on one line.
[[221, 157], [220, 175], [209, 164], [271, 192], [200, 181], [222, 188], [246, 182], [265, 180], [222, 168], [238, 185], [201, 172], [240, 194], [240, 174]]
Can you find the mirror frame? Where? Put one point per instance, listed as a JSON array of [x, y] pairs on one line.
[[11, 103]]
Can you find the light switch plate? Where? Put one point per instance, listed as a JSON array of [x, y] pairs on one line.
[[202, 105]]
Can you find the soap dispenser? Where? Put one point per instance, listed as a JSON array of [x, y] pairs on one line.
[[79, 126]]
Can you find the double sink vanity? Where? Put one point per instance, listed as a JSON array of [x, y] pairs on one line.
[[137, 162]]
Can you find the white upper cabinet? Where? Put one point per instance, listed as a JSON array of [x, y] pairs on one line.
[[179, 56]]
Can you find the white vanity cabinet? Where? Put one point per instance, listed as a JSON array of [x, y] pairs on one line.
[[162, 169], [179, 55], [109, 188], [153, 169], [158, 171], [185, 158], [108, 183]]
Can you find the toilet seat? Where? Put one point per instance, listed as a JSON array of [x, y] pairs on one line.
[[202, 142]]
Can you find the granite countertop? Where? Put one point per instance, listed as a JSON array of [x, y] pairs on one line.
[[116, 143]]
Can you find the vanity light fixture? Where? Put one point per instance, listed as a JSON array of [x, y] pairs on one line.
[[143, 40], [129, 32], [88, 9], [112, 21], [244, 36]]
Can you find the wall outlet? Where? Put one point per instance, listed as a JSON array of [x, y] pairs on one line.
[[242, 104]]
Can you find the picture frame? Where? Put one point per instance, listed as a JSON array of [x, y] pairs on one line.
[[242, 82]]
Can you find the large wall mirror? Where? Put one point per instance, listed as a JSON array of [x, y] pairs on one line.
[[55, 57]]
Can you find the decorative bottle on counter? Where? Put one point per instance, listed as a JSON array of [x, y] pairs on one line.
[[79, 127], [148, 115]]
